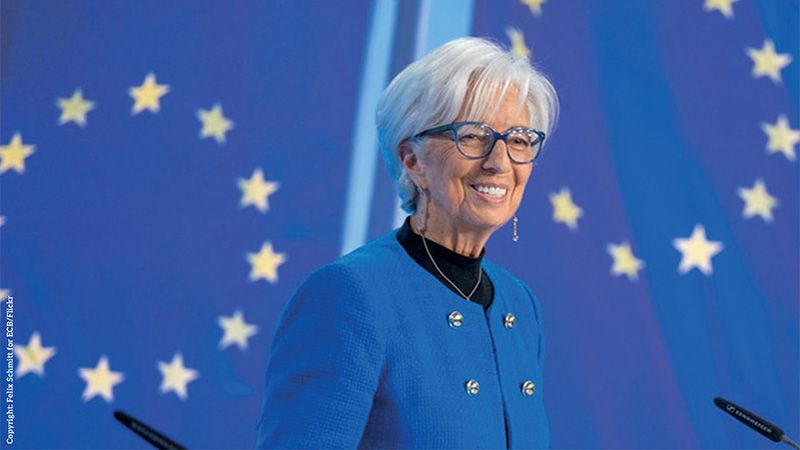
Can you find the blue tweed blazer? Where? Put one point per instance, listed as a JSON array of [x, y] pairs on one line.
[[367, 354]]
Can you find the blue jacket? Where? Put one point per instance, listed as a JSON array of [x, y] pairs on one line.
[[370, 352]]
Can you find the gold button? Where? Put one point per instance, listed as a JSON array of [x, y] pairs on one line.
[[473, 387], [509, 320], [528, 388], [455, 319]]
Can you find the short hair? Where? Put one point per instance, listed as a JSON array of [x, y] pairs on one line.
[[461, 77]]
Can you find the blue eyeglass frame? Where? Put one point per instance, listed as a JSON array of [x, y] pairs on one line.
[[496, 136]]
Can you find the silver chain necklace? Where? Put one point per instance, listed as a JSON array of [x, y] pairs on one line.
[[480, 272]]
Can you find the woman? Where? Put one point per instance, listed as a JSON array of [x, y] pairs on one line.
[[414, 339]]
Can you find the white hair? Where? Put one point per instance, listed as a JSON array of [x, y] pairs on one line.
[[461, 78]]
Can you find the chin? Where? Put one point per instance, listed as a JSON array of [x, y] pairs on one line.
[[490, 221]]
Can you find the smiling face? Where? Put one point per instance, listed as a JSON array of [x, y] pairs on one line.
[[469, 195]]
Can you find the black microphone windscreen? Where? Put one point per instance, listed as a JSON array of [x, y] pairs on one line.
[[147, 433], [751, 420]]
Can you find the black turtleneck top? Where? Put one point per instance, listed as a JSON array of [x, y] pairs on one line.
[[461, 270]]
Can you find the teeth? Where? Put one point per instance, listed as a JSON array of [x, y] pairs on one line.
[[490, 190]]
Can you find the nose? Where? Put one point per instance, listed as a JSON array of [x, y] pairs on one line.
[[498, 160]]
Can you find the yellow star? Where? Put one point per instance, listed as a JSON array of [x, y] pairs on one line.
[[757, 201], [33, 356], [624, 261], [781, 137], [255, 190], [534, 5], [264, 264], [564, 210], [148, 95], [100, 381], [12, 156], [697, 251], [237, 331], [518, 46], [4, 294], [723, 6], [74, 109], [175, 376], [767, 62], [214, 123]]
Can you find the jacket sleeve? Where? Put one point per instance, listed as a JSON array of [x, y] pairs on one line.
[[325, 363]]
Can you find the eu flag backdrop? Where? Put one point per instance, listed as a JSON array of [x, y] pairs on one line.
[[170, 172]]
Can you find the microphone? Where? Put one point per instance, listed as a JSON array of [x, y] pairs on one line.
[[147, 433], [764, 427]]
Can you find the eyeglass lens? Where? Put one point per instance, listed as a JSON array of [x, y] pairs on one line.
[[475, 140]]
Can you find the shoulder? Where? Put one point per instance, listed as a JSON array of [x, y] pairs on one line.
[[354, 275], [375, 259], [374, 256]]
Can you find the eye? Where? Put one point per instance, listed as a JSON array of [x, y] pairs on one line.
[[469, 138], [519, 141]]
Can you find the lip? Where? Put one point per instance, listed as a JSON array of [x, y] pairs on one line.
[[486, 198]]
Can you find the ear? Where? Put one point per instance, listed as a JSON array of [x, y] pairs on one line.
[[411, 163]]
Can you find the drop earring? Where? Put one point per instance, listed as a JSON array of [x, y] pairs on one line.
[[515, 236], [422, 216]]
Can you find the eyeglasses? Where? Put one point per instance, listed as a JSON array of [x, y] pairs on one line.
[[475, 140]]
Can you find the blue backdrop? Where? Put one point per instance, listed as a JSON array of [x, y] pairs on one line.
[[147, 261]]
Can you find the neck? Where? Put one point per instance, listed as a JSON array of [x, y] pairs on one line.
[[464, 242]]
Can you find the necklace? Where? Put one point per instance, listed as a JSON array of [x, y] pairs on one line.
[[480, 272]]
